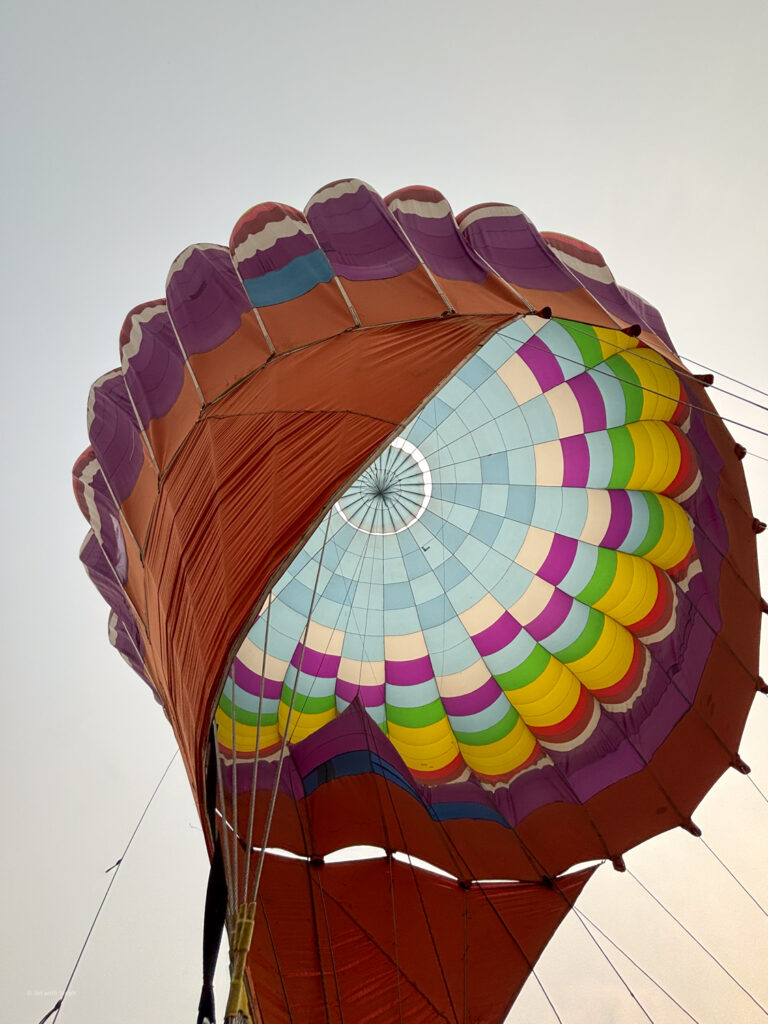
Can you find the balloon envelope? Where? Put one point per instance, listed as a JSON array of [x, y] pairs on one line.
[[426, 515]]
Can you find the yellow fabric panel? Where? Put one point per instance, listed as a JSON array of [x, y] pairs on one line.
[[661, 384], [633, 592], [302, 723], [609, 659], [548, 699], [502, 756], [657, 456], [612, 341], [428, 748], [245, 735], [677, 536]]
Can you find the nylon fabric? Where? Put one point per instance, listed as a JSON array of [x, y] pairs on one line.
[[508, 925]]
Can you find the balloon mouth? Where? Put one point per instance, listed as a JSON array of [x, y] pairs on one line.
[[391, 494]]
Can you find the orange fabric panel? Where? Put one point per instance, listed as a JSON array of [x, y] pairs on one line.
[[247, 462], [221, 368], [369, 942], [290, 826], [410, 296], [134, 584], [725, 708], [319, 314], [139, 506], [469, 297], [577, 305], [166, 435], [368, 810]]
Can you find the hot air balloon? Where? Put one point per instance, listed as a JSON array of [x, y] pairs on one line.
[[425, 540]]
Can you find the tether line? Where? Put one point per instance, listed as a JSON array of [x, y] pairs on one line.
[[115, 869]]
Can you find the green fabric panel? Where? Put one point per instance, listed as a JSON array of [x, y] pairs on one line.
[[602, 577], [490, 735], [584, 643], [586, 340], [623, 457], [526, 671], [307, 705], [246, 717], [655, 523], [415, 718], [630, 385]]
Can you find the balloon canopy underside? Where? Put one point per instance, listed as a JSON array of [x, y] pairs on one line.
[[427, 517]]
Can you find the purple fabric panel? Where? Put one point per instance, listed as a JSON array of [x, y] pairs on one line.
[[206, 300], [709, 459], [609, 297], [551, 617], [502, 632], [591, 403], [622, 743], [615, 754], [360, 237], [621, 520], [438, 242], [353, 729], [533, 790], [100, 573], [702, 598], [478, 700], [558, 562], [575, 461], [114, 434], [710, 535], [710, 532], [315, 663], [516, 251], [405, 673], [469, 791], [648, 314], [290, 782], [279, 255], [102, 577], [109, 529], [154, 374], [540, 361], [249, 681], [126, 638], [369, 696], [705, 587]]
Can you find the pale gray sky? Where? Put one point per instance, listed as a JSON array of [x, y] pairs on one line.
[[132, 130]]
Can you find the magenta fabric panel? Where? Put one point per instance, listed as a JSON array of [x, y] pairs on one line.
[[115, 434], [357, 232], [205, 297], [509, 242], [152, 361], [427, 219]]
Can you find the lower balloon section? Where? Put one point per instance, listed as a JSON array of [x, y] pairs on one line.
[[377, 941]]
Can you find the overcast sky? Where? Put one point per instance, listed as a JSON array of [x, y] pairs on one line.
[[132, 130]]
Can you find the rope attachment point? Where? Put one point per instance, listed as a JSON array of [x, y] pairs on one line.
[[238, 1011]]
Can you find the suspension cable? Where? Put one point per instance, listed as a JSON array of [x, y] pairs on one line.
[[698, 943], [624, 953], [743, 887]]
